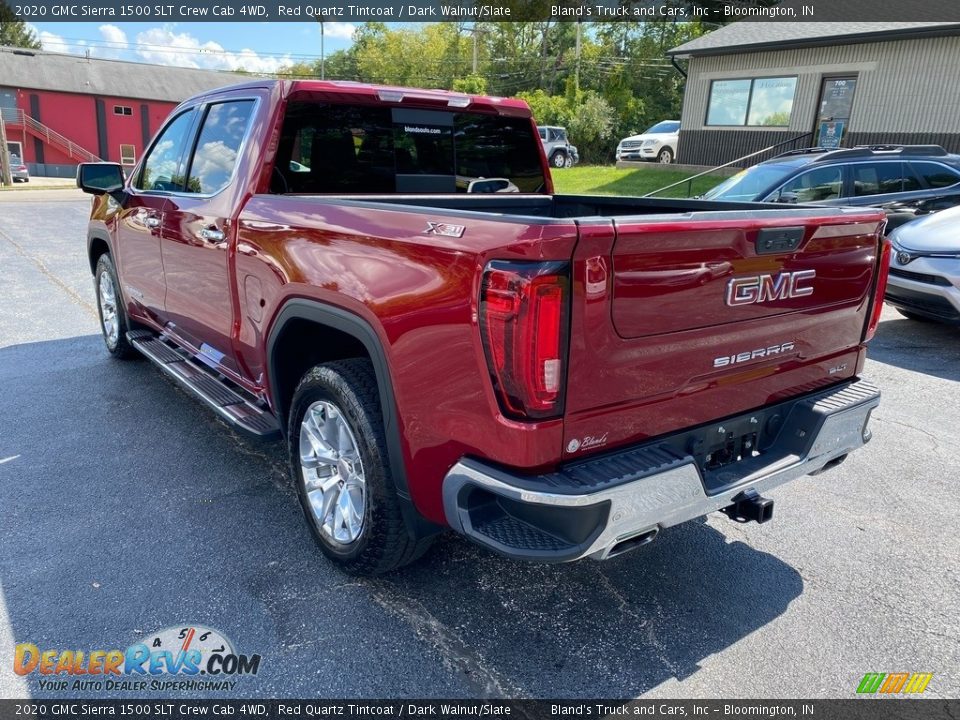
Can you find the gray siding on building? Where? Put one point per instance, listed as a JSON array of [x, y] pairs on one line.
[[904, 88], [711, 148]]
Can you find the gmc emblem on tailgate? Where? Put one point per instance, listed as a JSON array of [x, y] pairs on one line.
[[767, 288]]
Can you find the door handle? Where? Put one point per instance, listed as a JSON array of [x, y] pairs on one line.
[[212, 234], [151, 221]]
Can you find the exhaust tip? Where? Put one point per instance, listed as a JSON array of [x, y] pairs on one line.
[[631, 542]]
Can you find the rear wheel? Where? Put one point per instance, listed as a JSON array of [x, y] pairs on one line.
[[340, 465], [113, 316], [559, 159]]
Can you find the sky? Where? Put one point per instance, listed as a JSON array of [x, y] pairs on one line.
[[251, 46]]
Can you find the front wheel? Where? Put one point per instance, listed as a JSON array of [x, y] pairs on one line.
[[665, 156], [113, 316], [340, 464], [559, 159]]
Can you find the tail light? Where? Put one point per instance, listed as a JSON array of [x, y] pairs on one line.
[[524, 328], [21, 168], [880, 289]]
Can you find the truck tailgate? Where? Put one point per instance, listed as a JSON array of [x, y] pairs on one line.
[[680, 321]]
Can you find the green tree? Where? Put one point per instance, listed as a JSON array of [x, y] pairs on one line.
[[14, 32], [472, 84], [587, 116]]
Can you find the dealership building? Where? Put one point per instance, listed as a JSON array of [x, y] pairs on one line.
[[751, 85], [60, 110]]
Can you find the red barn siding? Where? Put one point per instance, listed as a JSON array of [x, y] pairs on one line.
[[74, 116]]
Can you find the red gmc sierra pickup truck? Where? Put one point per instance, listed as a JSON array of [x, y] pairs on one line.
[[384, 278]]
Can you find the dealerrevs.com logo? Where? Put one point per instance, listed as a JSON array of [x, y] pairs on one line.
[[187, 657]]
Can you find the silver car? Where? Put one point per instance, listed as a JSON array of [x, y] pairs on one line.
[[18, 170], [924, 281]]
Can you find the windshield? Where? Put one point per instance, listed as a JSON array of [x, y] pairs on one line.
[[666, 127], [750, 183]]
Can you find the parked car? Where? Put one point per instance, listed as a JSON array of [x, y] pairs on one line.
[[898, 177], [554, 377], [658, 143], [560, 153], [925, 268], [18, 170]]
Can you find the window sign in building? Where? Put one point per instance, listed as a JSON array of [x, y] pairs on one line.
[[728, 102], [761, 101], [772, 101]]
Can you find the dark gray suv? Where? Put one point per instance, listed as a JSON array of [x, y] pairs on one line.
[[904, 179]]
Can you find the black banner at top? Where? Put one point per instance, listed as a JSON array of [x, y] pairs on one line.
[[709, 11]]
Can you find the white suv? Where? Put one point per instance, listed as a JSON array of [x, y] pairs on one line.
[[924, 281], [658, 143]]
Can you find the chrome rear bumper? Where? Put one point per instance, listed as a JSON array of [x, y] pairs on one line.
[[594, 508]]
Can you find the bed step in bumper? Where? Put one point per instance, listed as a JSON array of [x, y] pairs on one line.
[[604, 506]]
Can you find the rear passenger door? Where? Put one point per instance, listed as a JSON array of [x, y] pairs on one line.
[[197, 233]]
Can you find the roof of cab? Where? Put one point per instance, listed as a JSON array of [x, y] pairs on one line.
[[386, 94]]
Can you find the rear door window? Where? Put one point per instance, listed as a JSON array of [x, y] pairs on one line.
[[218, 146], [936, 175], [877, 178]]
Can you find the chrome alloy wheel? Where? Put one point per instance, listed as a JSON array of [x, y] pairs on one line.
[[108, 309], [332, 473]]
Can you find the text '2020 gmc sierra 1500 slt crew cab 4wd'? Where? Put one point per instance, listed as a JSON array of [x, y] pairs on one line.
[[384, 278]]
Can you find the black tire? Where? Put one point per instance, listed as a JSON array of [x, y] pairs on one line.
[[384, 542], [665, 156], [558, 159], [914, 316], [120, 348]]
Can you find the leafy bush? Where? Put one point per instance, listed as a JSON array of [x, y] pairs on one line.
[[588, 118]]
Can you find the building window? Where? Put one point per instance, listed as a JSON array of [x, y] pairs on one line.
[[122, 110], [128, 155], [759, 102]]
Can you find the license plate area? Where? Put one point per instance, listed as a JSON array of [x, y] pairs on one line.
[[728, 450]]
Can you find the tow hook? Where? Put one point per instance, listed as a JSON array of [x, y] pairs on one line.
[[749, 505]]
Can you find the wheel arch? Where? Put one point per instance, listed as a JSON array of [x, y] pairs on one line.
[[98, 243], [340, 324]]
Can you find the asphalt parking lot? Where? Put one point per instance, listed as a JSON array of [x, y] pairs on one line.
[[126, 507]]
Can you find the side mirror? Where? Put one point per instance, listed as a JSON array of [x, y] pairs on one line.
[[100, 178], [786, 197]]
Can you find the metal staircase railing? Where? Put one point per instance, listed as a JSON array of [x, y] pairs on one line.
[[689, 181], [15, 117]]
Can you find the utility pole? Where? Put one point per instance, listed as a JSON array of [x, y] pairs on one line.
[[576, 71], [323, 55], [474, 48], [476, 30], [6, 177]]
